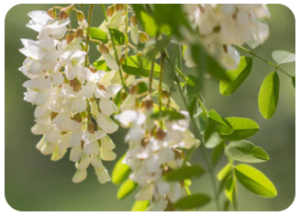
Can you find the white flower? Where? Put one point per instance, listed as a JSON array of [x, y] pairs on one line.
[[79, 175], [106, 124]]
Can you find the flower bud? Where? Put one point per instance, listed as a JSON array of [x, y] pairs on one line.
[[80, 16], [63, 14], [75, 84], [79, 33], [91, 127], [69, 37], [160, 134], [77, 117], [119, 7], [134, 89], [110, 11], [103, 49], [133, 19], [52, 13], [143, 37]]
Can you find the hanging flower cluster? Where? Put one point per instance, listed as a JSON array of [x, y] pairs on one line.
[[73, 107], [222, 25], [154, 149]]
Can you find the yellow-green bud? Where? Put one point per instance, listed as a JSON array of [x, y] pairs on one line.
[[80, 16], [133, 19], [63, 14], [79, 32], [143, 37], [52, 13]]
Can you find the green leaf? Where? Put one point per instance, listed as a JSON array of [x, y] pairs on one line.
[[224, 172], [281, 56], [242, 128], [140, 205], [294, 81], [118, 37], [184, 172], [193, 201], [203, 121], [194, 85], [213, 141], [126, 188], [120, 172], [150, 26], [246, 151], [217, 124], [226, 205], [139, 66], [167, 115], [255, 181], [154, 47], [236, 76], [98, 34], [101, 65], [268, 95], [217, 153], [230, 191]]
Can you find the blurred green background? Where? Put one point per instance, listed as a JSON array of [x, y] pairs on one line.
[[33, 182]]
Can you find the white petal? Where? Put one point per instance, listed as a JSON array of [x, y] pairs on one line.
[[57, 79], [36, 67], [115, 20], [65, 123], [91, 148], [41, 144], [106, 124], [107, 143], [110, 61], [134, 34], [75, 153], [107, 107], [41, 111], [76, 137], [162, 187], [84, 161], [96, 161], [52, 135], [58, 154], [103, 175], [145, 193], [175, 192], [129, 103], [48, 148], [79, 175], [107, 155], [38, 129], [160, 204]]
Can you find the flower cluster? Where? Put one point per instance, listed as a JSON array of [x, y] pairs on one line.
[[73, 107], [222, 25], [155, 148]]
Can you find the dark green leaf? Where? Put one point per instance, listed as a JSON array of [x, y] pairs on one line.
[[193, 201], [154, 47], [120, 172], [255, 181], [281, 56], [194, 85], [208, 63], [242, 128], [101, 65], [184, 172], [217, 153], [294, 81], [268, 95], [118, 37], [139, 66], [140, 205], [236, 76], [203, 121], [167, 115], [98, 34], [193, 106], [126, 188], [226, 205], [246, 151]]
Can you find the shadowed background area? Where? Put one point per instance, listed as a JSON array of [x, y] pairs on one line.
[[33, 182]]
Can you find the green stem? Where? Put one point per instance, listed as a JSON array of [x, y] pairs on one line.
[[161, 80], [198, 135], [277, 67], [202, 106], [104, 12], [88, 34], [151, 77], [126, 30]]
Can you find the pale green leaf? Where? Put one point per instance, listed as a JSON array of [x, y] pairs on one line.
[[281, 56], [140, 205], [246, 151], [255, 181], [126, 188], [224, 172], [213, 141], [193, 201], [268, 95], [98, 34], [120, 172], [236, 76], [242, 128]]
